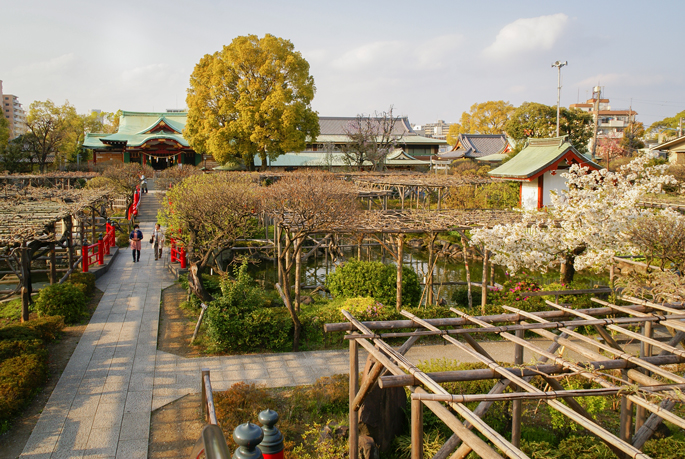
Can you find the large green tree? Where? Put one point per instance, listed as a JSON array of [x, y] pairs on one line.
[[668, 125], [4, 133], [251, 98], [536, 120], [484, 118], [50, 128], [632, 137]]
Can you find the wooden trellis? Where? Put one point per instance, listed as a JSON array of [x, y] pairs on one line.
[[389, 229], [637, 383], [29, 219]]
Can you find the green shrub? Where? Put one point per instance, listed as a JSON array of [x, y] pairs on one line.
[[87, 280], [376, 280], [10, 349], [367, 309], [665, 448], [20, 378], [593, 405], [47, 328], [64, 300], [239, 321]]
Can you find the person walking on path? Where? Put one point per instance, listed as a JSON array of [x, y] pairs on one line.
[[136, 237], [158, 241], [143, 183]]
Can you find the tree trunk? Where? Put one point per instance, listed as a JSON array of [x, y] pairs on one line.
[[567, 269], [468, 272], [195, 283]]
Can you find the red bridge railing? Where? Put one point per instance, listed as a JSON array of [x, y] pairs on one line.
[[178, 253], [95, 253]]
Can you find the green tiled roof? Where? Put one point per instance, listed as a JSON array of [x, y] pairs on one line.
[[536, 156]]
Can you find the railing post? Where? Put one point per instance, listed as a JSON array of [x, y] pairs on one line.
[[272, 444], [84, 258], [205, 372], [248, 436], [101, 251], [182, 257]]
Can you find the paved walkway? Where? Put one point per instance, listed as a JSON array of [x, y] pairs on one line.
[[101, 406]]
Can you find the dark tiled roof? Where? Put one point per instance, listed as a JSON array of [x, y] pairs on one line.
[[336, 125], [477, 146]]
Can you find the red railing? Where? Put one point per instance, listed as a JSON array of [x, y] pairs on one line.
[[178, 253], [110, 239], [92, 254]]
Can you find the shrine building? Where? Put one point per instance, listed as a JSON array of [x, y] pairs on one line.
[[538, 168], [155, 139]]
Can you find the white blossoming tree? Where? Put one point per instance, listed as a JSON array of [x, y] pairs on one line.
[[586, 227]]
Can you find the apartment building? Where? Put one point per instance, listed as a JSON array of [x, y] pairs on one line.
[[611, 123], [13, 111]]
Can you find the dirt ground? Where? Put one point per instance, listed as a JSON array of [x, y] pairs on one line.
[[13, 441], [175, 427], [176, 325]]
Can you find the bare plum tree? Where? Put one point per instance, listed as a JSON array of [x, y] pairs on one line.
[[304, 204], [371, 138]]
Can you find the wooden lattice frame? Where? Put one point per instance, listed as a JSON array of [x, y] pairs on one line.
[[30, 213], [644, 388]]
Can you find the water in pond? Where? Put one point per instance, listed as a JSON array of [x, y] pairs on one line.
[[316, 268]]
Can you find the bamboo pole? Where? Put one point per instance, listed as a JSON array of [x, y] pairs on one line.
[[375, 372], [670, 323], [565, 410], [591, 376], [615, 351], [546, 395], [478, 423], [484, 282], [416, 429], [645, 351], [532, 370], [353, 415], [459, 321], [482, 408], [517, 406]]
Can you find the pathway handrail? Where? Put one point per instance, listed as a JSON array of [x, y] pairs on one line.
[[212, 442]]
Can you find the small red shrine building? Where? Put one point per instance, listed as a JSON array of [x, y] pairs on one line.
[[155, 139], [538, 168]]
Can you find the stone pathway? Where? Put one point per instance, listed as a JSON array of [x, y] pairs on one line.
[[102, 403]]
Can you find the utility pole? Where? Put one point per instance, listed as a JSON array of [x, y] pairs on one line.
[[680, 128], [596, 95], [559, 65]]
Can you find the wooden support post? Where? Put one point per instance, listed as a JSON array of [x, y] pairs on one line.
[[25, 282], [400, 255], [354, 416], [69, 228], [484, 282], [297, 246], [92, 222], [416, 429], [279, 256], [468, 273], [53, 264], [645, 351], [429, 277], [516, 405]]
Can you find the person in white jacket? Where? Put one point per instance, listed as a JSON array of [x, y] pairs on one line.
[[158, 241]]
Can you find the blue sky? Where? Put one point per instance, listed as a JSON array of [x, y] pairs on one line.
[[431, 60]]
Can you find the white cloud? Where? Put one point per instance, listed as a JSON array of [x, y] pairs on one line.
[[528, 34], [622, 79], [400, 55], [51, 66]]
